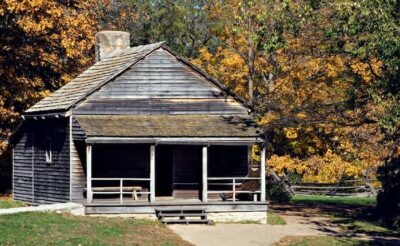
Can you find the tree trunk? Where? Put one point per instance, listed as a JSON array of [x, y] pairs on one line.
[[250, 62]]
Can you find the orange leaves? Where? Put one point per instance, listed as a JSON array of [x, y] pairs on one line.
[[43, 45], [226, 65], [36, 16]]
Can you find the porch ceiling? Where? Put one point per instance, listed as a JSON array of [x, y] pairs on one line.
[[167, 126]]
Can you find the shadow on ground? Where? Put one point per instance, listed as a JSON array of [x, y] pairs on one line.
[[341, 221]]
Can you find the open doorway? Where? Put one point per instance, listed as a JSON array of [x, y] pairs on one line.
[[178, 171], [164, 170]]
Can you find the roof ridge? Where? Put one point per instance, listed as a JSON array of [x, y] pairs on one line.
[[106, 70]]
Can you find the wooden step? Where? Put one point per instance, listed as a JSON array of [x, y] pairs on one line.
[[181, 215], [185, 221], [180, 211]]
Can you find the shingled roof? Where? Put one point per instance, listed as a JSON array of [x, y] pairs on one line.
[[166, 126], [101, 73]]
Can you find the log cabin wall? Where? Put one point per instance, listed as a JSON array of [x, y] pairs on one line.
[[23, 166], [78, 162], [78, 172], [160, 84], [41, 181]]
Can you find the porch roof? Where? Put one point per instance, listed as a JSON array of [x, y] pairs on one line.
[[167, 126]]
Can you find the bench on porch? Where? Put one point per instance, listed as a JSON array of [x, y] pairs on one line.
[[111, 189]]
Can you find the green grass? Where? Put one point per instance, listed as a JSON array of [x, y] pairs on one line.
[[275, 219], [335, 200], [9, 203], [63, 229], [319, 241]]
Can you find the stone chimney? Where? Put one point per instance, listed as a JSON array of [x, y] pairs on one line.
[[110, 43]]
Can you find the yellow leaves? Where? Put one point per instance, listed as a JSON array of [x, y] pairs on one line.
[[368, 70], [226, 65], [324, 169], [301, 116], [268, 118], [290, 133], [204, 55], [285, 163]]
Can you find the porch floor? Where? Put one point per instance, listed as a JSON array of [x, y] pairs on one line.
[[113, 206]]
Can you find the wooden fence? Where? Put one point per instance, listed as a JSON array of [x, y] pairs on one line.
[[341, 188]]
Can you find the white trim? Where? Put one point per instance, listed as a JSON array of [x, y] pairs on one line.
[[262, 174], [152, 173], [205, 173], [89, 194], [177, 140]]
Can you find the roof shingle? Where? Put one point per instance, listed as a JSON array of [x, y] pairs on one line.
[[166, 126]]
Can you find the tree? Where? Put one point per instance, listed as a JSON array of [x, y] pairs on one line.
[[311, 91], [247, 31], [373, 30], [181, 24], [44, 44]]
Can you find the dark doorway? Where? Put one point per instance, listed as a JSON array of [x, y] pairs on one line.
[[187, 173], [164, 170]]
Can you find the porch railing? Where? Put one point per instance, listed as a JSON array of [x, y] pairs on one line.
[[121, 191], [233, 184]]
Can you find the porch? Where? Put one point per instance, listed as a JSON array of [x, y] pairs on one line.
[[172, 174]]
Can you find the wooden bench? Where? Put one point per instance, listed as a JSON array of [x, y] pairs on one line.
[[133, 189]]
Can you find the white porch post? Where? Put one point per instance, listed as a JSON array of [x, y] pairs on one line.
[[89, 194], [262, 173], [205, 173], [152, 173]]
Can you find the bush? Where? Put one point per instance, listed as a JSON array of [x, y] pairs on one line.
[[276, 192], [389, 198]]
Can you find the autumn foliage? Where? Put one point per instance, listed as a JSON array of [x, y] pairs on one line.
[[322, 75], [43, 44]]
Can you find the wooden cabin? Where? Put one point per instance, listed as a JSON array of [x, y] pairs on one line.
[[141, 128]]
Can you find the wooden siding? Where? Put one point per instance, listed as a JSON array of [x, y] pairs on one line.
[[110, 106], [36, 181], [23, 167], [51, 180], [78, 165], [160, 84], [77, 132]]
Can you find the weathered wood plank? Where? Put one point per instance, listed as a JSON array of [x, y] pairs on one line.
[[160, 76]]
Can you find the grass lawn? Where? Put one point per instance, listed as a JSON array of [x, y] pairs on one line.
[[8, 202], [335, 200], [275, 219], [63, 229]]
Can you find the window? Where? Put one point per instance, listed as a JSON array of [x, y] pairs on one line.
[[48, 153]]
